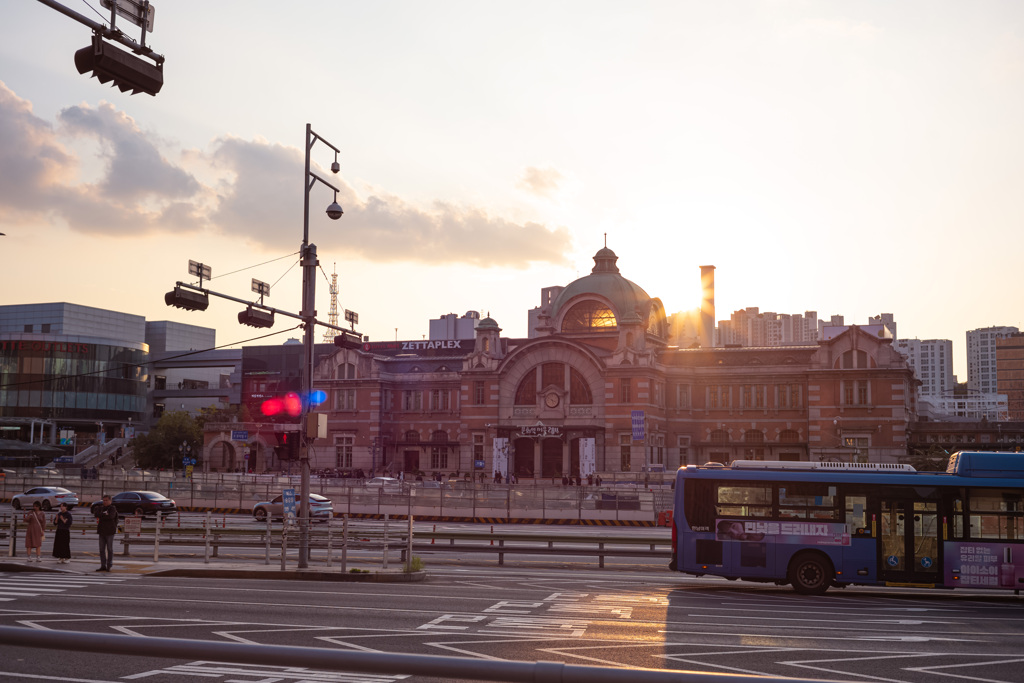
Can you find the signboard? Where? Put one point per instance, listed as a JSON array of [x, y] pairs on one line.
[[588, 457], [422, 347], [637, 417], [288, 503], [478, 464], [65, 458], [239, 435], [188, 471], [500, 460], [540, 430], [132, 525]]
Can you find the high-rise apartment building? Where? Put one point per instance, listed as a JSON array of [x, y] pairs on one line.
[[886, 319], [981, 358], [932, 361]]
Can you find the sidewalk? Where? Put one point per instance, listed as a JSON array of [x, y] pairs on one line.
[[217, 568]]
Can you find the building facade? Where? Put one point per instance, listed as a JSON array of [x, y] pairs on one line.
[[932, 362], [598, 389], [1010, 367], [982, 377]]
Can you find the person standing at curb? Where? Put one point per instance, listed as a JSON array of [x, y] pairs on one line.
[[62, 537], [36, 523], [106, 527]]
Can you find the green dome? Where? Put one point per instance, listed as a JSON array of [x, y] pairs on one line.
[[488, 323], [627, 298]]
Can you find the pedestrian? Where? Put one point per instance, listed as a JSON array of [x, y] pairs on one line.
[[62, 537], [106, 527], [35, 522]]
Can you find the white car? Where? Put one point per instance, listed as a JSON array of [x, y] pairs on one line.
[[319, 508], [384, 483], [48, 496]]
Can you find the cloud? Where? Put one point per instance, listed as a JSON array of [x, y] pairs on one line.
[[135, 168], [138, 190], [251, 192], [540, 181], [258, 200], [33, 163]]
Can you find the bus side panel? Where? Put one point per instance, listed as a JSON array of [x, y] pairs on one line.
[[859, 562]]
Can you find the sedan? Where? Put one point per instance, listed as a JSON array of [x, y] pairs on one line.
[[47, 496], [319, 507], [139, 503]]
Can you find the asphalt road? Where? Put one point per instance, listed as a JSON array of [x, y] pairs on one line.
[[650, 618]]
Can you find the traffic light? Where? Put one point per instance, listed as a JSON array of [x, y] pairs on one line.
[[348, 340], [254, 317], [187, 299], [128, 72], [287, 446]]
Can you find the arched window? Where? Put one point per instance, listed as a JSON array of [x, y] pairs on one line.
[[855, 360], [719, 436], [753, 436], [789, 436], [526, 392], [345, 371], [412, 436], [588, 315], [579, 390], [439, 435]]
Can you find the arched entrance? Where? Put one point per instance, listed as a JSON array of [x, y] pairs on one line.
[[551, 458], [522, 463]]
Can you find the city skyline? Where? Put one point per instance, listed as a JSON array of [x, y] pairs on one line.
[[847, 159]]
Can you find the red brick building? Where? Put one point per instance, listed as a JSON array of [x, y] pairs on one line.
[[564, 401]]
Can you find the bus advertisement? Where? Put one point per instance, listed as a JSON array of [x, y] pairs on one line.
[[815, 525]]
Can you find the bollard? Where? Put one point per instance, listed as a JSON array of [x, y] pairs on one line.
[[385, 540], [432, 539], [344, 542], [267, 540], [492, 534], [156, 537], [206, 537]]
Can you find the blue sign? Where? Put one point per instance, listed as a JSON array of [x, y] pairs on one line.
[[288, 503], [892, 561], [478, 464], [926, 562], [638, 425], [239, 435]]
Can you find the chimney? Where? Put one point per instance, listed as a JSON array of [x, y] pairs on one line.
[[707, 306]]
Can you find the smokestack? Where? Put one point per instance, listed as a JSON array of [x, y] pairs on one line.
[[707, 306]]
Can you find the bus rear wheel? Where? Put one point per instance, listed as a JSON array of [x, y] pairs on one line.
[[811, 573]]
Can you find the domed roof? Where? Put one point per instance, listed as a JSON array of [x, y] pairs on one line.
[[488, 323], [626, 297]]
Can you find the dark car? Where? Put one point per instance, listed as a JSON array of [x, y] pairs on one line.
[[139, 502]]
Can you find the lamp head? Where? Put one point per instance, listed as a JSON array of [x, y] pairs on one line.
[[335, 167], [334, 211]]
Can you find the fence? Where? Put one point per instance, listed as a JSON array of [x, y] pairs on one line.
[[631, 503]]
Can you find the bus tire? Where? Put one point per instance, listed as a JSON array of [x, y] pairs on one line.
[[811, 573]]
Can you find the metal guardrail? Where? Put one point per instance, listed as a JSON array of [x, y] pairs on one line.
[[366, 662]]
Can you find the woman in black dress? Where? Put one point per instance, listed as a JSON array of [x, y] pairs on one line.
[[62, 538]]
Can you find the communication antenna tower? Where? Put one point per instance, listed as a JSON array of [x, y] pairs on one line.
[[332, 317]]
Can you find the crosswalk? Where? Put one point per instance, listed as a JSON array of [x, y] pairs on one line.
[[14, 585]]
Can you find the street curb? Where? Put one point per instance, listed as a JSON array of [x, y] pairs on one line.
[[296, 575]]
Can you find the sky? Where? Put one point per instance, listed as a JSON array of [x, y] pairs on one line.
[[849, 158]]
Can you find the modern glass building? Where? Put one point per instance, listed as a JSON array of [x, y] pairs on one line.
[[70, 368]]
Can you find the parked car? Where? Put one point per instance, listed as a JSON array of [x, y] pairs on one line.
[[431, 484], [319, 508], [139, 502], [44, 471], [48, 496], [389, 483]]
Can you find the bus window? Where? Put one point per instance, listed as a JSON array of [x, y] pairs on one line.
[[744, 500], [856, 516], [996, 513], [807, 501]]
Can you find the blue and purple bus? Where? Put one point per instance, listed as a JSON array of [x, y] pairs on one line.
[[815, 525]]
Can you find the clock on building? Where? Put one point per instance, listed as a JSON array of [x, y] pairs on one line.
[[551, 400]]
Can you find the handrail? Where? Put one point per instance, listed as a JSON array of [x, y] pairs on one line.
[[368, 662]]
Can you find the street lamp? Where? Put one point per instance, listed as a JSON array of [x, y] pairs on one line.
[[308, 315]]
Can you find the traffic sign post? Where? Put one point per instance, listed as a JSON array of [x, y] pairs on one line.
[[288, 504]]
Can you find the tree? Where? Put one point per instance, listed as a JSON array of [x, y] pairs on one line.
[[159, 448], [931, 459]]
